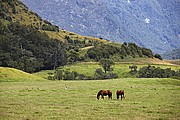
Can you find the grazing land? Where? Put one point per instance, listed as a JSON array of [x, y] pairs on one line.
[[121, 69], [144, 99]]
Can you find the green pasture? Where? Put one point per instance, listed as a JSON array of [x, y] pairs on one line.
[[89, 68], [145, 99]]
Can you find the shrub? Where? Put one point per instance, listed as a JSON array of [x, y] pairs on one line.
[[99, 74], [158, 56]]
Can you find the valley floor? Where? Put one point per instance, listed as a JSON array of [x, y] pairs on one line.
[[144, 99]]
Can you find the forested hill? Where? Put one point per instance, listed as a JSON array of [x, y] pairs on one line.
[[25, 43], [22, 46], [152, 24]]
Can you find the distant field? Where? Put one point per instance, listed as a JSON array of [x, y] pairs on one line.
[[121, 69], [145, 99]]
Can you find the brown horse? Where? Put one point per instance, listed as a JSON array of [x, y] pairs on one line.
[[120, 92], [103, 93]]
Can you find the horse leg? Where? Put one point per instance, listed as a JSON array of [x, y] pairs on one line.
[[110, 96], [102, 96], [117, 96], [121, 97]]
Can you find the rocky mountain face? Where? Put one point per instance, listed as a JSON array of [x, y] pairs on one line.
[[172, 55], [153, 24]]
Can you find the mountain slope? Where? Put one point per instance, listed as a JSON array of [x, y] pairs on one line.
[[16, 11], [152, 24], [170, 55]]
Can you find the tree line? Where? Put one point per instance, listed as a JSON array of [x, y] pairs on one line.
[[107, 72], [157, 72], [154, 72], [126, 49]]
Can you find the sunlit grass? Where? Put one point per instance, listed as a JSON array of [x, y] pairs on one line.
[[11, 74], [121, 69], [144, 99]]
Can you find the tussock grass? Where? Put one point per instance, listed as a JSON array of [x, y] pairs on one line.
[[144, 99]]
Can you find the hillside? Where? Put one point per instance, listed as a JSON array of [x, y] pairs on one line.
[[152, 24], [16, 11], [22, 46], [11, 74], [32, 44]]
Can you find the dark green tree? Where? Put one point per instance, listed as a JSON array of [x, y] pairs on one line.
[[106, 64], [158, 56]]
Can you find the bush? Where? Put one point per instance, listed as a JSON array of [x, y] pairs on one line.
[[100, 75], [158, 56]]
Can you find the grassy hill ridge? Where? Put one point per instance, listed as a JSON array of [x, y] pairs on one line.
[[12, 74]]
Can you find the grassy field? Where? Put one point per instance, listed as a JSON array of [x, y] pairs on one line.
[[121, 69], [12, 74], [157, 99]]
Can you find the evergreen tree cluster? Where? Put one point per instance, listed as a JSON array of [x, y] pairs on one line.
[[25, 48]]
